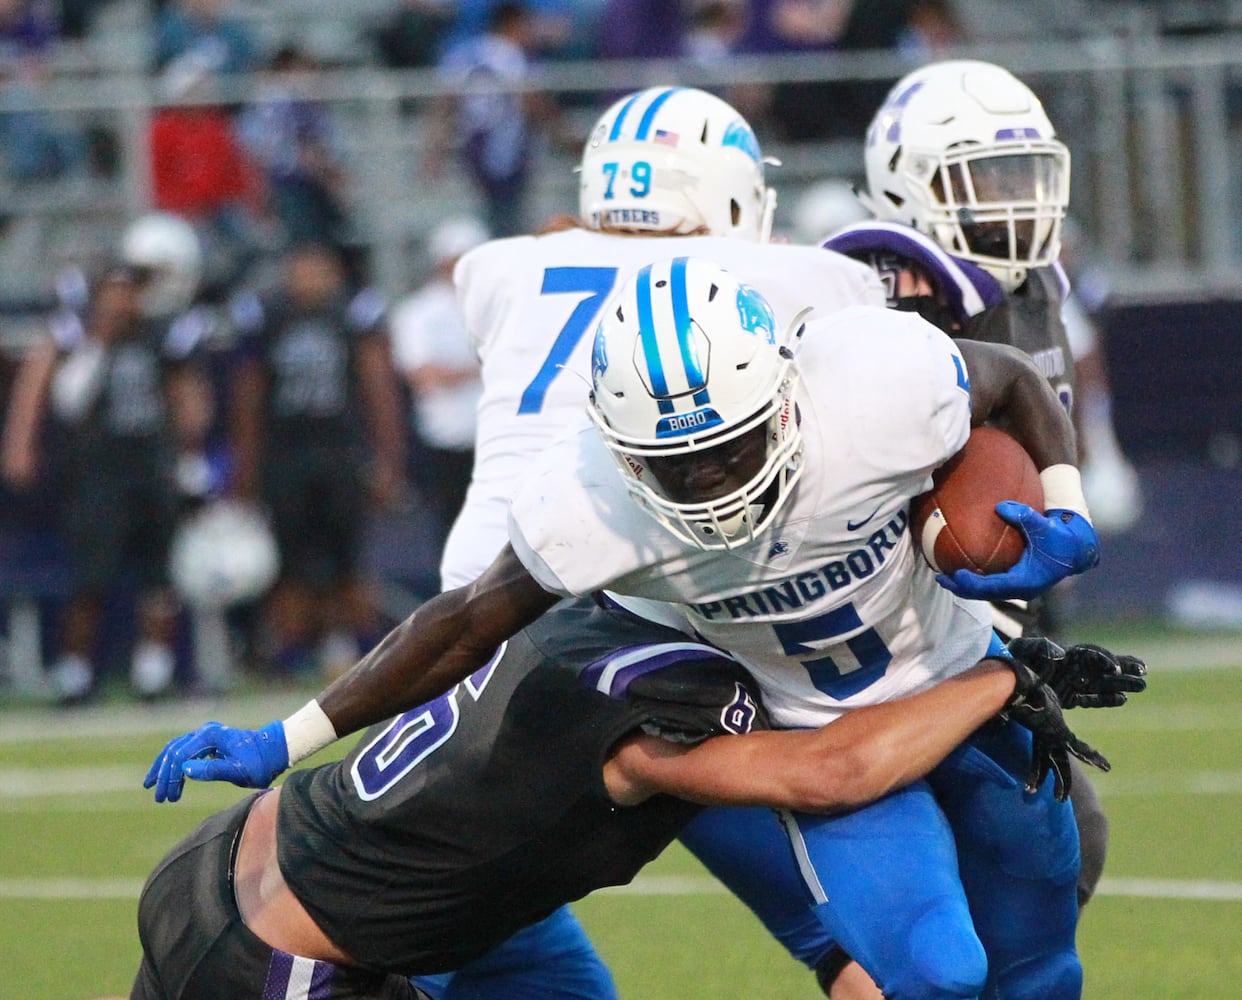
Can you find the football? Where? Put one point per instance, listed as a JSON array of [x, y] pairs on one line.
[[955, 523]]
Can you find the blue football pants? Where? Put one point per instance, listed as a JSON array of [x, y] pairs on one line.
[[551, 960], [959, 886]]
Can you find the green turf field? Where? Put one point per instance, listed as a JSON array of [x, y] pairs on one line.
[[78, 834]]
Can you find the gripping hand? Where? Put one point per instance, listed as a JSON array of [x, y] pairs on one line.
[[1085, 676], [250, 758], [1060, 543], [1034, 706]]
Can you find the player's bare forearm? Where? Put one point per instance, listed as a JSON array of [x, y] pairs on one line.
[[861, 757], [439, 645], [1006, 388]]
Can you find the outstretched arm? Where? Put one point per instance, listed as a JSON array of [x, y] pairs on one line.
[[440, 644]]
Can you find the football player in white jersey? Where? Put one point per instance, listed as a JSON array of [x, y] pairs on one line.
[[765, 500], [666, 162]]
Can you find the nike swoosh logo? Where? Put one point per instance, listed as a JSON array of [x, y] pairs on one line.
[[855, 525]]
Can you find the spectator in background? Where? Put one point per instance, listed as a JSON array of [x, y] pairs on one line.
[[828, 110], [294, 141], [32, 147], [433, 353], [495, 132], [313, 361], [716, 27], [412, 35], [932, 29], [200, 171], [647, 29], [120, 391], [204, 28]]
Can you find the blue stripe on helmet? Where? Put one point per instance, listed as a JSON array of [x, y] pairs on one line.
[[690, 360], [646, 333], [644, 124], [620, 119]]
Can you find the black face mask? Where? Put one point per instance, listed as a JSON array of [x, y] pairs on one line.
[[932, 308]]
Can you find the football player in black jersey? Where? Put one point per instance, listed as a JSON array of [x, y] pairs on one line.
[[564, 764]]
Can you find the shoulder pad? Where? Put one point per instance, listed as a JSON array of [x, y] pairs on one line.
[[689, 691], [969, 288]]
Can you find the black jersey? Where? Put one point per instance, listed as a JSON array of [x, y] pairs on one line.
[[1030, 319], [115, 420], [452, 826], [309, 358]]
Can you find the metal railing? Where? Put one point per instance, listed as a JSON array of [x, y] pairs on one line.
[[1154, 127]]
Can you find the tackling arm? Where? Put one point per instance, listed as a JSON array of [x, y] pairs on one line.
[[871, 751], [856, 759]]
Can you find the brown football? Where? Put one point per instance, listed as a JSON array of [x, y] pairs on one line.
[[955, 523]]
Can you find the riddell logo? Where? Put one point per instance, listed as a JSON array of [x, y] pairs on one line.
[[785, 414], [635, 468]]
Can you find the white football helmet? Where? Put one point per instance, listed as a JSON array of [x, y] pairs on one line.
[[165, 247], [963, 151], [675, 160], [687, 358], [222, 555]]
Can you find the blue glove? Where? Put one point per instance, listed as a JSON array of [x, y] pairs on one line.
[[250, 758], [1058, 544]]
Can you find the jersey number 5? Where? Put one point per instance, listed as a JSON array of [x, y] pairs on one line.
[[800, 639], [597, 282]]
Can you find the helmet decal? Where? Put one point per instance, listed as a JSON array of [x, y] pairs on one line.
[[739, 135], [754, 313], [644, 124], [889, 116], [685, 424], [599, 359]]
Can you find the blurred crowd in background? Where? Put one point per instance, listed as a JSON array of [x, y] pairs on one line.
[[227, 369]]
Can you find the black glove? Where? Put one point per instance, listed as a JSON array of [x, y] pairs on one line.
[[1083, 676], [1034, 706]]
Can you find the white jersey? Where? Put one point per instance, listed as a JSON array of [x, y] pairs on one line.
[[829, 607], [531, 305]]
